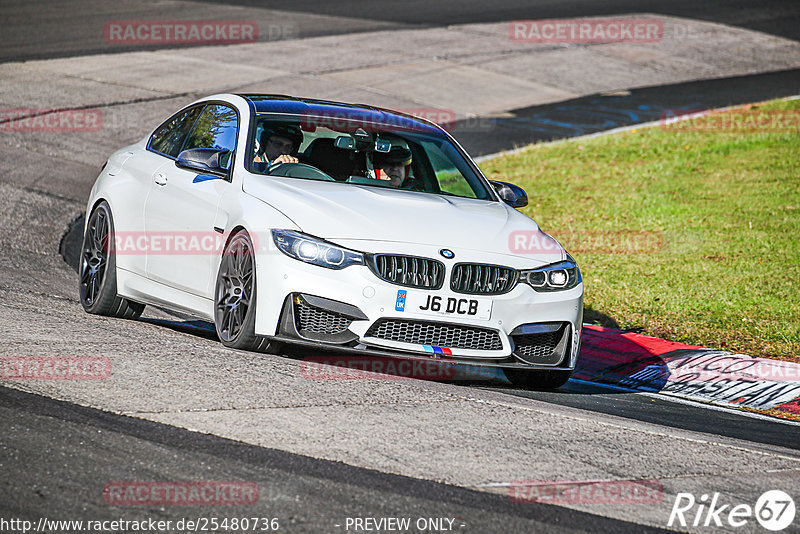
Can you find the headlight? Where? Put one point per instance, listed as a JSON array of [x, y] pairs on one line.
[[315, 251], [554, 277]]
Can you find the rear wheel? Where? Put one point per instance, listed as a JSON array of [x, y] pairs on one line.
[[524, 378], [235, 297], [98, 269]]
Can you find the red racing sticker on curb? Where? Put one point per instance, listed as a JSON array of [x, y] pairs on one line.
[[198, 493], [793, 406], [55, 368]]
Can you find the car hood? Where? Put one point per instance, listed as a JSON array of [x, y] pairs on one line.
[[340, 211]]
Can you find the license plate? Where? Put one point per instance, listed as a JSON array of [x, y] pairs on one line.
[[439, 305]]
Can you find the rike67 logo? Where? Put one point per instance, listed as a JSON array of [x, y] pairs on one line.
[[774, 510]]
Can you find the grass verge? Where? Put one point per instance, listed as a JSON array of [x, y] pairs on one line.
[[686, 235]]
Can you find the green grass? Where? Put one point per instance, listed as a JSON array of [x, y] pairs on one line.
[[453, 182], [691, 236]]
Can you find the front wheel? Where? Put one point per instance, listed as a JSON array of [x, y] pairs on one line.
[[235, 297], [527, 379], [98, 269]]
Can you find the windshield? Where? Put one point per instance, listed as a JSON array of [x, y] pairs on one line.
[[359, 153]]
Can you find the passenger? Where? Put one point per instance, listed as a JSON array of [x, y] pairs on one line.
[[394, 166], [278, 145]]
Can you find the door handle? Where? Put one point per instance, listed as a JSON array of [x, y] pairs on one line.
[[160, 178]]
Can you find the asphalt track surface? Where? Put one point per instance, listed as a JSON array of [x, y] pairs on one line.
[[56, 456], [61, 28], [78, 450], [39, 30]]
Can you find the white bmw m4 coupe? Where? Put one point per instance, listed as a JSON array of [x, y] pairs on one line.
[[330, 226]]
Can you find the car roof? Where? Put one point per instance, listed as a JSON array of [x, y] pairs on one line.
[[264, 103]]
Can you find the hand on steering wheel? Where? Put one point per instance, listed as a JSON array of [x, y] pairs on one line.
[[280, 160], [284, 158]]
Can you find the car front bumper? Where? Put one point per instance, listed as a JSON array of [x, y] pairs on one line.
[[308, 305]]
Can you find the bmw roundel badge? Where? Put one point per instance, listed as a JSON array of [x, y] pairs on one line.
[[447, 253]]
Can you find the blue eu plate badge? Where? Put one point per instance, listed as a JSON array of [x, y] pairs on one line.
[[400, 305]]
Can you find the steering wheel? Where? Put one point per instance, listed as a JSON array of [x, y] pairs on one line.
[[298, 170]]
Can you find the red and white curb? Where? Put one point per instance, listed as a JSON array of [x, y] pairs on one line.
[[649, 364]]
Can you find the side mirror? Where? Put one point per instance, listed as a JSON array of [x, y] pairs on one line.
[[208, 160], [511, 194]]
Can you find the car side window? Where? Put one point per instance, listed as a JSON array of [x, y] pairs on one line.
[[169, 137], [215, 128]]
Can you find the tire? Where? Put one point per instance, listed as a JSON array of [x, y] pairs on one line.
[[526, 379], [235, 297], [98, 269]]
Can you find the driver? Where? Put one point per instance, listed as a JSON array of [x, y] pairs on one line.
[[393, 166], [278, 145]]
